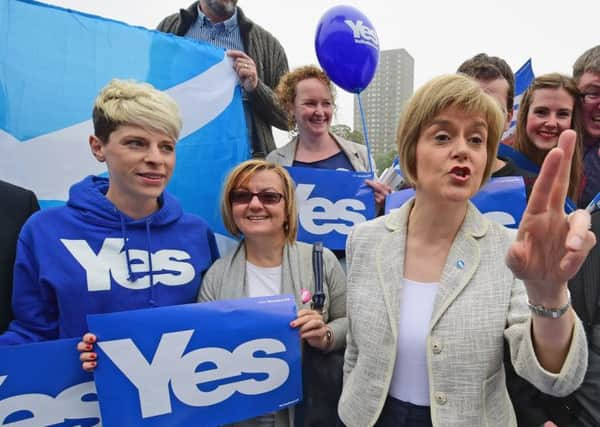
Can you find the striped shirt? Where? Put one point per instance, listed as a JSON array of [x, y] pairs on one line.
[[224, 34]]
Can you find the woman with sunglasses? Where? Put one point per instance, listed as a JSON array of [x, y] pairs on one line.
[[259, 207]]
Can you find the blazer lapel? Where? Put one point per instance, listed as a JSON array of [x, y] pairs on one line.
[[461, 264], [390, 262]]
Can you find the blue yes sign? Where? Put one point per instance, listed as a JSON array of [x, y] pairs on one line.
[[501, 200], [42, 384], [330, 204], [197, 364]]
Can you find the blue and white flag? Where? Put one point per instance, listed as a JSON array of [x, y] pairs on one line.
[[42, 384], [54, 61], [501, 200], [330, 204], [523, 78], [197, 364]]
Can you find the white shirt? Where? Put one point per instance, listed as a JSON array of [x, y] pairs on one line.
[[410, 382], [263, 281]]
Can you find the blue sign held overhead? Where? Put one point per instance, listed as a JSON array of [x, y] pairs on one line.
[[331, 203], [198, 364], [42, 384]]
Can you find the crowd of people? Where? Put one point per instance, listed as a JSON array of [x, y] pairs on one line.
[[446, 318]]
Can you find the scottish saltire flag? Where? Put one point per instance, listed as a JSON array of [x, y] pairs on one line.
[[42, 384], [523, 78], [54, 61], [197, 364]]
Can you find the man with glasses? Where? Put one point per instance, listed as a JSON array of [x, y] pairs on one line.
[[586, 72]]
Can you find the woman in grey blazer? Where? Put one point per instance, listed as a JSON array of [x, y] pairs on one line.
[[259, 206], [430, 300]]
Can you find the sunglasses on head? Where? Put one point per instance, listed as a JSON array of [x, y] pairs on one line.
[[265, 197]]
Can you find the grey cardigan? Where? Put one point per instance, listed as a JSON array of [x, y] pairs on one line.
[[479, 304], [356, 153], [226, 279]]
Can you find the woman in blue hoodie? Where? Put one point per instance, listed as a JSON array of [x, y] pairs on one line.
[[121, 242]]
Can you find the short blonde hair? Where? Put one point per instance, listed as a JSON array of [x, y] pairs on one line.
[[240, 175], [286, 89], [126, 102], [454, 90]]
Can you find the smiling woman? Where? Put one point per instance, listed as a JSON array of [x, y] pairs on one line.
[[547, 108], [308, 96], [259, 206]]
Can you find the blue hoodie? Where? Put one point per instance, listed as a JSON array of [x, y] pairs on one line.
[[87, 258]]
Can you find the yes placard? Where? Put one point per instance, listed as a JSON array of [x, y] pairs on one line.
[[330, 204], [42, 384], [197, 364], [501, 200]]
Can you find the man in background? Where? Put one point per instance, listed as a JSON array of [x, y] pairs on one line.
[[586, 72], [496, 78], [17, 205], [259, 61]]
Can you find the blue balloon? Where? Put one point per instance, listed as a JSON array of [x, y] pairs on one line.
[[347, 48]]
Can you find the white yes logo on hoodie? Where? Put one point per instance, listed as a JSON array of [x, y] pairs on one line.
[[170, 267]]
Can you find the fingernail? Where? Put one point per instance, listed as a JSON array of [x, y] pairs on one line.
[[93, 356], [293, 324], [575, 242], [93, 364], [88, 347]]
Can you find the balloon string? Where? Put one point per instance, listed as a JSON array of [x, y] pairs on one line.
[[365, 133]]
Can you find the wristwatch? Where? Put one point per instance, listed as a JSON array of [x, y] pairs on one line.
[[552, 313]]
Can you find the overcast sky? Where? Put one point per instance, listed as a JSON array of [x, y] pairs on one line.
[[439, 34]]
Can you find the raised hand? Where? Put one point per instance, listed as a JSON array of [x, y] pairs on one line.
[[550, 245]]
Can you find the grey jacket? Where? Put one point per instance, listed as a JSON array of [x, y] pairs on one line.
[[356, 153], [271, 64], [479, 304], [226, 279]]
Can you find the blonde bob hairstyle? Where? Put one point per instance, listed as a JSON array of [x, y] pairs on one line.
[[286, 89], [453, 90], [126, 102], [240, 175]]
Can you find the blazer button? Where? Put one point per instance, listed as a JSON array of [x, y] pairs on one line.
[[440, 397], [436, 346]]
